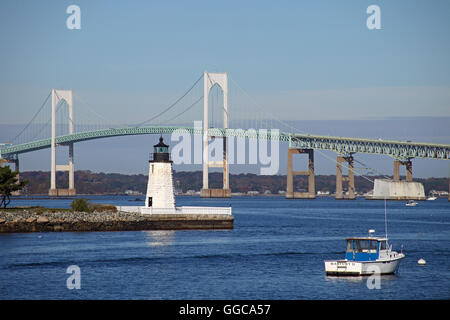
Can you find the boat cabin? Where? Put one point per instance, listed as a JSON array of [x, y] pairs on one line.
[[365, 248]]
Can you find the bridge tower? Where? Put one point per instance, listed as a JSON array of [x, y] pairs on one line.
[[407, 164], [57, 96], [290, 193], [209, 80], [350, 178]]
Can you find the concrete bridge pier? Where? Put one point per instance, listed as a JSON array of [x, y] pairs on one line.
[[408, 164], [340, 179], [70, 191], [225, 192], [290, 193]]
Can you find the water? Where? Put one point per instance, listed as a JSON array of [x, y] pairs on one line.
[[275, 251]]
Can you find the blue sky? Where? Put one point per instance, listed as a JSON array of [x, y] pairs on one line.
[[308, 60], [287, 50]]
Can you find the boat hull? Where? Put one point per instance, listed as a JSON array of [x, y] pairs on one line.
[[361, 268]]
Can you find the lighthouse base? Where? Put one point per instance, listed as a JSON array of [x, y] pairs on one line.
[[185, 210], [181, 217]]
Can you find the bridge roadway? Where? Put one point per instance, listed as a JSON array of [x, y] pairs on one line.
[[401, 150]]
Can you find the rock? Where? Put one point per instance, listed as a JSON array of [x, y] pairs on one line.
[[31, 219], [2, 220], [58, 228], [42, 219]]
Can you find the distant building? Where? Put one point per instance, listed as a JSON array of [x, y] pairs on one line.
[[439, 193], [133, 193]]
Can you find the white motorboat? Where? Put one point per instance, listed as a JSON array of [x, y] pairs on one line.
[[365, 256], [411, 203]]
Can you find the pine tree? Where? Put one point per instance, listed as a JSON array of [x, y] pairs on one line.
[[8, 184]]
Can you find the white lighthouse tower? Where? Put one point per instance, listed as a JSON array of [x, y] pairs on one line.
[[160, 184], [160, 198]]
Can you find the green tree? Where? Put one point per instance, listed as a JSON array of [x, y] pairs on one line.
[[81, 205], [8, 184]]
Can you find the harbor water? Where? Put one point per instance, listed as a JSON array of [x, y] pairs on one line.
[[275, 251]]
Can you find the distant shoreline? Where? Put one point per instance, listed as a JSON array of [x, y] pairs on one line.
[[88, 183], [47, 197]]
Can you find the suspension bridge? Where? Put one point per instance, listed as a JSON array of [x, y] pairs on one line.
[[224, 116]]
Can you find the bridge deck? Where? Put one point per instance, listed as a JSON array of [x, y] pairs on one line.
[[340, 145]]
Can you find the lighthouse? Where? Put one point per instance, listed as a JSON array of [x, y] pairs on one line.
[[160, 199], [160, 183]]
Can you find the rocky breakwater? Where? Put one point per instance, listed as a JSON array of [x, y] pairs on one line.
[[51, 220]]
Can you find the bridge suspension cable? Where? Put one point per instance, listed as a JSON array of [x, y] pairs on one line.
[[186, 110], [269, 115], [32, 119], [104, 122], [372, 169], [170, 106], [272, 116]]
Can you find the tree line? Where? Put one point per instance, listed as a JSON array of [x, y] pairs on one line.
[[87, 182]]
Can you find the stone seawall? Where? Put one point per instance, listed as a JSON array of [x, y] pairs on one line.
[[28, 221]]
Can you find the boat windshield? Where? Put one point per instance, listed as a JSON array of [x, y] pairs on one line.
[[362, 245]]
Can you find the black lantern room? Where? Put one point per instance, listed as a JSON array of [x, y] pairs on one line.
[[161, 152]]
